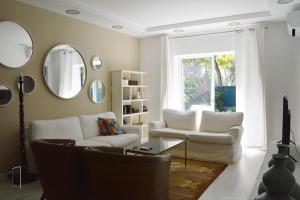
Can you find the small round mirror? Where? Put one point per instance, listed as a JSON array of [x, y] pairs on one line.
[[5, 95], [28, 85], [97, 91], [64, 71], [15, 45], [96, 62]]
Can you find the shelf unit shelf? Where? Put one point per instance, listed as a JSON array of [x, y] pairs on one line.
[[130, 101]]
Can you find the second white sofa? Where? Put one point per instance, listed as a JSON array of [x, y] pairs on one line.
[[218, 139]]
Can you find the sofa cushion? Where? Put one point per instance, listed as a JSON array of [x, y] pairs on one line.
[[65, 128], [184, 120], [220, 122], [170, 133], [123, 140], [90, 143], [213, 138], [89, 124]]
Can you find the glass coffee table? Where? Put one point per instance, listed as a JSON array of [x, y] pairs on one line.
[[158, 146]]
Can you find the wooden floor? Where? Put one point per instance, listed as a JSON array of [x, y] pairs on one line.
[[235, 183]]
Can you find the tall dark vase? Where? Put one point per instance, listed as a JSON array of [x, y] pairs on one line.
[[278, 181], [290, 164]]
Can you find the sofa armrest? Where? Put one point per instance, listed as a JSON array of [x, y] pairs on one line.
[[157, 125], [132, 129], [236, 131]]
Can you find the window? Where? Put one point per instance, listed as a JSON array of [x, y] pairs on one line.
[[208, 81]]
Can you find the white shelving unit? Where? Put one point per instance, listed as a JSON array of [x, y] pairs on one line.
[[128, 106]]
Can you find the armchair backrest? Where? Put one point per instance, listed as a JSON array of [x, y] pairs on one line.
[[61, 169], [64, 128], [128, 177], [219, 122], [185, 120]]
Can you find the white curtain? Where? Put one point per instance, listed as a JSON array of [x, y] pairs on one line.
[[171, 78], [250, 92], [66, 73]]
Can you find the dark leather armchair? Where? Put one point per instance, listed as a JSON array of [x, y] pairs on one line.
[[128, 177], [62, 168]]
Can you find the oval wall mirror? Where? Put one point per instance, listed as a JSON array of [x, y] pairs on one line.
[[96, 62], [5, 95], [28, 85], [15, 45], [97, 91], [64, 71]]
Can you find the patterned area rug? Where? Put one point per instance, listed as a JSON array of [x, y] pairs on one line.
[[190, 183]]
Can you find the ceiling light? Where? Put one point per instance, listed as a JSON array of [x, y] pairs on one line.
[[117, 27], [284, 1], [72, 12], [178, 30], [234, 23]]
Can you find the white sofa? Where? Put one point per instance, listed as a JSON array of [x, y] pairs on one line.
[[218, 139], [84, 130]]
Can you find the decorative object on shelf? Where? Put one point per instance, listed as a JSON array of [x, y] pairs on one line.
[[126, 98], [278, 189], [133, 82], [28, 85], [135, 110], [139, 94], [5, 95], [96, 63], [24, 176], [125, 81], [14, 38], [290, 165], [127, 109], [97, 91], [145, 109], [64, 71]]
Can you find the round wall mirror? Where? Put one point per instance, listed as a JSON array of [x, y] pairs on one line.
[[96, 62], [97, 91], [28, 85], [5, 95], [15, 45], [64, 71]]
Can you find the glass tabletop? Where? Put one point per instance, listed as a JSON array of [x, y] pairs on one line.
[[156, 146]]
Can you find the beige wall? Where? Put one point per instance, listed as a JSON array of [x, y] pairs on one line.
[[47, 30]]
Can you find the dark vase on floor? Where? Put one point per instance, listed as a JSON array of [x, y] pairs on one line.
[[290, 164], [278, 181]]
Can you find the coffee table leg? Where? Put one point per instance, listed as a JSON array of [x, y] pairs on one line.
[[185, 154]]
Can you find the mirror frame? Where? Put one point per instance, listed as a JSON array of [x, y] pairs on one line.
[[102, 87], [92, 63], [31, 42], [12, 96], [86, 75]]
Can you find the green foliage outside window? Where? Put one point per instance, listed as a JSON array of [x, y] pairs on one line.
[[198, 76]]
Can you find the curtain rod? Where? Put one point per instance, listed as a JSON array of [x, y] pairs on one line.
[[213, 33]]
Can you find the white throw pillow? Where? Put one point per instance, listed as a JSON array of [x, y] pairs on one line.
[[89, 124], [185, 120], [220, 122]]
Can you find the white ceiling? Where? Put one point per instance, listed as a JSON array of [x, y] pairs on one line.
[[148, 17]]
